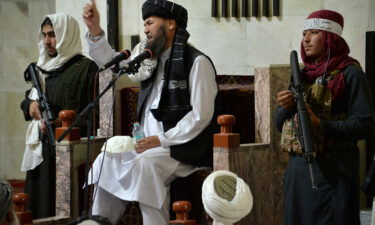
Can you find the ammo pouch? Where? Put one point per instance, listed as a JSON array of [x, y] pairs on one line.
[[289, 138]]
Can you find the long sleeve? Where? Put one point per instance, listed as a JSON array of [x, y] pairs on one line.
[[281, 115], [25, 104], [101, 52], [360, 121], [203, 90]]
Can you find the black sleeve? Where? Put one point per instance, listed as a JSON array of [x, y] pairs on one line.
[[281, 115], [25, 104], [360, 121], [91, 87]]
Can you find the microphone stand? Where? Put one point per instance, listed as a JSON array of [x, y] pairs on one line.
[[84, 114]]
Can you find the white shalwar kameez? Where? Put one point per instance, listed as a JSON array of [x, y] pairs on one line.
[[146, 177]]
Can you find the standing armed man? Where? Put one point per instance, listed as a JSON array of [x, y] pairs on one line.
[[68, 80], [341, 113]]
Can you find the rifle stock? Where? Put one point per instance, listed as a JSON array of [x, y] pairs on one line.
[[31, 74], [304, 124]]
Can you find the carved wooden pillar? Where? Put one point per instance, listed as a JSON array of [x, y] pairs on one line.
[[20, 200], [225, 142], [67, 117], [182, 209]]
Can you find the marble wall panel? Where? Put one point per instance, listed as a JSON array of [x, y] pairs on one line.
[[15, 128], [262, 105], [12, 130], [105, 106], [16, 125], [15, 61], [258, 166], [63, 179], [265, 186], [14, 17], [15, 147]]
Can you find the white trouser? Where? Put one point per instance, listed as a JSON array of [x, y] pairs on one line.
[[108, 205]]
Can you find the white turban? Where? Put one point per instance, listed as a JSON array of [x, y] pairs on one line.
[[226, 197], [89, 222], [68, 41]]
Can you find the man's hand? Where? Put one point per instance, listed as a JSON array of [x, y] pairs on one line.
[[57, 122], [92, 18], [314, 120], [34, 110], [147, 143], [286, 100]]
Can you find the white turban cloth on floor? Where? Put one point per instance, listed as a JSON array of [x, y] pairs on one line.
[[119, 144], [226, 197]]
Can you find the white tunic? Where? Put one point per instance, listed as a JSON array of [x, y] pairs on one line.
[[146, 177]]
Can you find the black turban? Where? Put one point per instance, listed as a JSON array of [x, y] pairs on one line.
[[165, 9]]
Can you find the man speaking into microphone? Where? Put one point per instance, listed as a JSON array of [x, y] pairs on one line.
[[176, 107]]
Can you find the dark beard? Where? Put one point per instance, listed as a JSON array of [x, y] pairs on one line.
[[158, 45], [52, 56]]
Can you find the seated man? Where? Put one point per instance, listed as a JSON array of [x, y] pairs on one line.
[[175, 107]]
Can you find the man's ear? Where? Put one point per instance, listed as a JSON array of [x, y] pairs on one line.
[[172, 25]]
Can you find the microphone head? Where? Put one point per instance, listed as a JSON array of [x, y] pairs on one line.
[[150, 54], [126, 53]]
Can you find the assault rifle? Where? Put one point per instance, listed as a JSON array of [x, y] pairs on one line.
[[32, 74], [304, 125]]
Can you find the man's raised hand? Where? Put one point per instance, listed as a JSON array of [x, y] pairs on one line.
[[92, 18]]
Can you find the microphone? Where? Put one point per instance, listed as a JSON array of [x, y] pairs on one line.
[[146, 54], [124, 54]]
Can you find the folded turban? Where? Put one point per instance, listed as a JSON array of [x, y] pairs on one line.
[[165, 9], [5, 199], [226, 197]]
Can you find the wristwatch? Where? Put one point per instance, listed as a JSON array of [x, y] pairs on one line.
[[96, 38]]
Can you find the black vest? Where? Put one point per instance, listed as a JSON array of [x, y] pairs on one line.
[[199, 150]]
